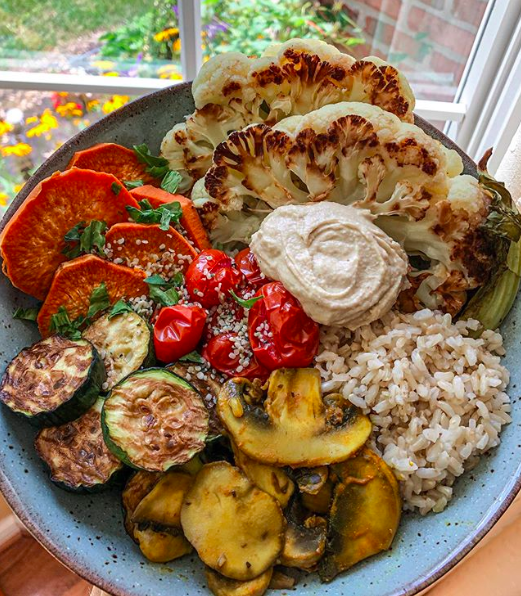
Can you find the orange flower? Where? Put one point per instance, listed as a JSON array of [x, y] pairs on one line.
[[114, 103], [166, 34], [69, 109]]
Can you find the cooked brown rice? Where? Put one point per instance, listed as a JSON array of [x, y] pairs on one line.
[[435, 396]]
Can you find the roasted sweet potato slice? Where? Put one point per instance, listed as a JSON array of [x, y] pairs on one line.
[[113, 159], [32, 242], [74, 281], [150, 248], [190, 220]]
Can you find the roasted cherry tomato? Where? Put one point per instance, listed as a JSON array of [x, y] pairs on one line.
[[177, 331], [281, 334], [225, 318], [211, 276], [225, 353], [249, 267]]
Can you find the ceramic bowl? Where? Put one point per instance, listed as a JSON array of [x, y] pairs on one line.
[[86, 532]]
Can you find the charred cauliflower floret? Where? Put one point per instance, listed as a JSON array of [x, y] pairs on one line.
[[358, 154], [232, 91]]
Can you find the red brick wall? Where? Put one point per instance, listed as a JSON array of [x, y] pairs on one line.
[[430, 40]]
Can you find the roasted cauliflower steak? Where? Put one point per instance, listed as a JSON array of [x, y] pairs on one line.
[[232, 91]]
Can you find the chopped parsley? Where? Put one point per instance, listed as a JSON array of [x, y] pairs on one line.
[[82, 239], [171, 181], [116, 188], [130, 184], [119, 308], [245, 303], [26, 314], [164, 215], [193, 357], [162, 291]]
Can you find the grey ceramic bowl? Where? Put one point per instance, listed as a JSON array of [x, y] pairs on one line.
[[86, 532]]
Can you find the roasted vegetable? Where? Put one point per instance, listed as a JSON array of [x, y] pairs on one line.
[[53, 381], [162, 505], [208, 387], [136, 489], [311, 480], [291, 426], [224, 586], [190, 220], [74, 282], [236, 529], [149, 248], [124, 342], [113, 159], [357, 154], [284, 578], [304, 543], [76, 455], [163, 544], [296, 77], [32, 242], [364, 515], [320, 502], [271, 480], [153, 420]]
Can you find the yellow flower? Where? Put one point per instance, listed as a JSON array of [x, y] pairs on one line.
[[3, 199], [18, 188], [103, 64], [206, 58], [169, 71], [47, 122], [92, 104], [166, 34], [115, 102], [31, 119], [20, 149], [69, 109], [111, 73], [176, 46], [5, 127]]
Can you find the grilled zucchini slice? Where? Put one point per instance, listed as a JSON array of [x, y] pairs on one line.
[[54, 381], [124, 343], [236, 529], [223, 586], [136, 489], [153, 420], [76, 455], [364, 515]]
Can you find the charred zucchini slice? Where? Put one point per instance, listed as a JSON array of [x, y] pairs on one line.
[[236, 529], [292, 425], [224, 586], [208, 382], [271, 480], [124, 343], [56, 380], [76, 455], [153, 420], [364, 515], [162, 545], [136, 489]]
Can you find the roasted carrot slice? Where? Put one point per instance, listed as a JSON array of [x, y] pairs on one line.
[[150, 248], [74, 281], [113, 159], [32, 242], [190, 219]]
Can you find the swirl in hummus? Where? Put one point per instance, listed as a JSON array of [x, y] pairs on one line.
[[344, 270]]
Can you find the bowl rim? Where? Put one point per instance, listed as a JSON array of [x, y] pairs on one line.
[[16, 502]]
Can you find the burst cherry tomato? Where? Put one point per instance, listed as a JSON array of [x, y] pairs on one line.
[[211, 276], [239, 364], [177, 331], [281, 334], [225, 318], [249, 267]]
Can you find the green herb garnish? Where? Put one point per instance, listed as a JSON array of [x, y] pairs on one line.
[[83, 239], [171, 181], [193, 357], [162, 291], [245, 303], [116, 188], [62, 324], [164, 215], [26, 314], [119, 308], [157, 166], [130, 184], [99, 300]]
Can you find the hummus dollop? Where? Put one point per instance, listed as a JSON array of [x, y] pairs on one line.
[[344, 269]]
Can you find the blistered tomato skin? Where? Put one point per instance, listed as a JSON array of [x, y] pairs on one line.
[[221, 353], [211, 276], [177, 331], [281, 334], [249, 267]]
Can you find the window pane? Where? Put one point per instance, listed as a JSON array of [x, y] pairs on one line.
[[97, 37], [35, 124], [430, 40]]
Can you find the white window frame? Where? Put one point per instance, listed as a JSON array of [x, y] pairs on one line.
[[486, 110]]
